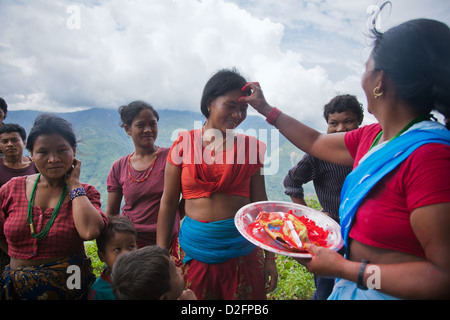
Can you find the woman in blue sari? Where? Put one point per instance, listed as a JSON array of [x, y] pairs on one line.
[[395, 205]]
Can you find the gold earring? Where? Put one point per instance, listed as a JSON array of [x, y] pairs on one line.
[[376, 95]]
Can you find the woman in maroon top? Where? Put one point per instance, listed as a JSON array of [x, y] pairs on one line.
[[45, 219], [138, 178]]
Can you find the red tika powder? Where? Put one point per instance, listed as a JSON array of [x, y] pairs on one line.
[[316, 234]]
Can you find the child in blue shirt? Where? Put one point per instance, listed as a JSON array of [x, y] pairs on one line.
[[118, 238]]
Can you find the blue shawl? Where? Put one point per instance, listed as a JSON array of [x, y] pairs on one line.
[[213, 242], [379, 162]]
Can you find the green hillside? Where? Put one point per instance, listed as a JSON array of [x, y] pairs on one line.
[[102, 141]]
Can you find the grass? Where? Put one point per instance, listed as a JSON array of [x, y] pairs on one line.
[[91, 252], [294, 281]]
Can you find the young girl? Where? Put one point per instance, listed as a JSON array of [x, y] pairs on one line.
[[118, 238]]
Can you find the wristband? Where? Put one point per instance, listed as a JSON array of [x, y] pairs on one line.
[[273, 115], [360, 284], [77, 192]]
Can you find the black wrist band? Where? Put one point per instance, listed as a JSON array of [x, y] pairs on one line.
[[360, 283]]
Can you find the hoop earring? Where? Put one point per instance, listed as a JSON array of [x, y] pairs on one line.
[[376, 95]]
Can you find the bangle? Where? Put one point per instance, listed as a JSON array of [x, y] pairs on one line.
[[361, 275], [270, 258], [273, 115], [77, 192]]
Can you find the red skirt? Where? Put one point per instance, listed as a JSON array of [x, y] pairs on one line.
[[240, 278]]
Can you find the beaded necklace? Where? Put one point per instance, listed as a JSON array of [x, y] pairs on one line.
[[148, 173], [41, 235], [409, 125]]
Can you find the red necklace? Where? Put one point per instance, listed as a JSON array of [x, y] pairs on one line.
[[148, 173]]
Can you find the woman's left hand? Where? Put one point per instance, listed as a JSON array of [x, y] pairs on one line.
[[270, 275], [324, 261], [73, 176]]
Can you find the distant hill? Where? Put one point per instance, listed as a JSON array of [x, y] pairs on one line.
[[102, 141]]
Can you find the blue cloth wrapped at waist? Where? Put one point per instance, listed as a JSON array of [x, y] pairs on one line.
[[213, 242]]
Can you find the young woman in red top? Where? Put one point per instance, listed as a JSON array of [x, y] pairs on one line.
[[396, 229], [217, 176], [45, 219]]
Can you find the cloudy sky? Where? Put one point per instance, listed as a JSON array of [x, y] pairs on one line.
[[71, 55]]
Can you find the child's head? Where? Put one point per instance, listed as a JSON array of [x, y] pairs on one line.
[[343, 113], [118, 238], [148, 273]]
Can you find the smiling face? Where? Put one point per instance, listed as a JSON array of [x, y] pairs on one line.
[[144, 129], [53, 155], [226, 112]]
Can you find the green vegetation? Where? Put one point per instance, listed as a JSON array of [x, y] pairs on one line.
[[91, 251]]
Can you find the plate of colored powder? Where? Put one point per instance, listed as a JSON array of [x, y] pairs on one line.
[[322, 230]]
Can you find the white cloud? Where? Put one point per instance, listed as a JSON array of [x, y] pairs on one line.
[[302, 52]]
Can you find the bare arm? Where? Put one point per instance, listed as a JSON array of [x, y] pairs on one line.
[[430, 278], [113, 204], [258, 188], [88, 220], [258, 193], [299, 200], [328, 147], [169, 204]]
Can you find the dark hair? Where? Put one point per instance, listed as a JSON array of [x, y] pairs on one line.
[[342, 103], [46, 124], [142, 274], [129, 112], [415, 55], [3, 106], [220, 83], [14, 127], [115, 224]]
